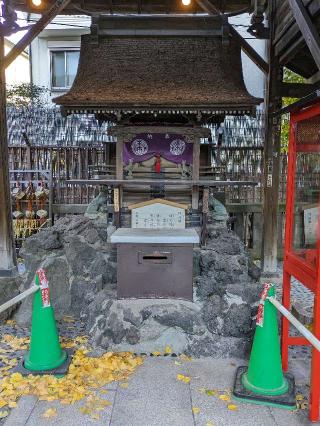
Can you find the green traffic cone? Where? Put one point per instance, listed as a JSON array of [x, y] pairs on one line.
[[264, 375], [45, 350], [263, 381]]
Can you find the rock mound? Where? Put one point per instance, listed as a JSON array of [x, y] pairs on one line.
[[81, 267]]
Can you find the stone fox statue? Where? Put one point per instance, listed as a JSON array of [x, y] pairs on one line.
[[219, 214], [98, 205]]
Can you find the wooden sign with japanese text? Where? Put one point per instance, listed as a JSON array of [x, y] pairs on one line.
[[158, 214]]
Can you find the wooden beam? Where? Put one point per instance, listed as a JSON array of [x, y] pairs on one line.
[[271, 168], [290, 31], [249, 50], [307, 28], [301, 103], [208, 7], [7, 253], [35, 30], [297, 90]]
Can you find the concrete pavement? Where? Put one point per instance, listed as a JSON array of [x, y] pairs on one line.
[[154, 397]]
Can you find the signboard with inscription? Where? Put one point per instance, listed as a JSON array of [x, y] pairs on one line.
[[158, 214], [310, 225]]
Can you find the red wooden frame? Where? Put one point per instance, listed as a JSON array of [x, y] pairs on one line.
[[296, 266]]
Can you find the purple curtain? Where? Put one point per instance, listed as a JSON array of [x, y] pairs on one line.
[[144, 146]]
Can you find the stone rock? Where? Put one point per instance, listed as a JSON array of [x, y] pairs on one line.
[[210, 314], [227, 268], [57, 273], [227, 316], [207, 286], [224, 241], [132, 318], [83, 293], [253, 270], [80, 256], [237, 320], [9, 288], [219, 347], [81, 267], [177, 315]]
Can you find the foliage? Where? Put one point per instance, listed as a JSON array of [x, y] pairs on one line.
[[85, 380], [288, 77], [26, 94]]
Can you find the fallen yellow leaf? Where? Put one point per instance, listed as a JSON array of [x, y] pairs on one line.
[[211, 392], [224, 397], [85, 374], [209, 424], [2, 403], [168, 350], [156, 353], [50, 412], [195, 410], [4, 414], [124, 385], [232, 407], [299, 397], [177, 363], [183, 378]]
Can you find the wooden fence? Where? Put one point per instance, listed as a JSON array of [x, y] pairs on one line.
[[76, 162]]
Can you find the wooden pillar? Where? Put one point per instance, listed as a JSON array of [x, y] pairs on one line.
[[119, 157], [7, 253], [195, 171], [271, 159]]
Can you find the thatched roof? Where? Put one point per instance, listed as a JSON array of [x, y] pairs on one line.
[[157, 73]]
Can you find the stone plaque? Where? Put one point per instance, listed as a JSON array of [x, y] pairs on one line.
[[158, 214]]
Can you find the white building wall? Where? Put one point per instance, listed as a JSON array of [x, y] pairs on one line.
[[19, 71], [64, 33]]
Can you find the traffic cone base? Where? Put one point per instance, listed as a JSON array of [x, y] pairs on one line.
[[29, 365], [263, 391], [286, 400], [59, 371]]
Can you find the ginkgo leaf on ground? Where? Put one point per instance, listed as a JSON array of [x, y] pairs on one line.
[[168, 350], [196, 410], [224, 397], [50, 412], [183, 378], [232, 407], [211, 392]]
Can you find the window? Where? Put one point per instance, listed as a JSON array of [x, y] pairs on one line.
[[64, 64]]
